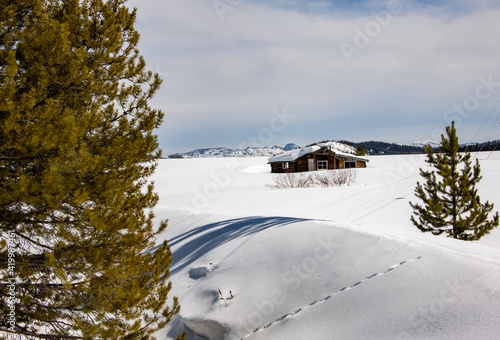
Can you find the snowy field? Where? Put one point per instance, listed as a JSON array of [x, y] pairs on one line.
[[321, 263]]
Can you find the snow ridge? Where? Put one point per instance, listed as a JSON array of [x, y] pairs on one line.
[[330, 296]]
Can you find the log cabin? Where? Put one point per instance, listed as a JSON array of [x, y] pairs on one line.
[[314, 158]]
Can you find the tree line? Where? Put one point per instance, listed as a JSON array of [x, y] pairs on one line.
[[384, 148]]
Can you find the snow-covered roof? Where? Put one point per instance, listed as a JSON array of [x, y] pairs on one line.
[[292, 155], [348, 155]]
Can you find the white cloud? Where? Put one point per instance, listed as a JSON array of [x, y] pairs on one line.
[[260, 57]]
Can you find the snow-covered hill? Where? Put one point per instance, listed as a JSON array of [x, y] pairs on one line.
[[422, 143], [321, 263], [339, 147]]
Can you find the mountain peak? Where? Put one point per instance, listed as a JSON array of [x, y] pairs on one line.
[[291, 146]]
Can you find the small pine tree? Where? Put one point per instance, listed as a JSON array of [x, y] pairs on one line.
[[450, 203], [76, 149], [360, 151]]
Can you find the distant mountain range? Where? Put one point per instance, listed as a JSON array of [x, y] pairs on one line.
[[266, 151], [371, 148]]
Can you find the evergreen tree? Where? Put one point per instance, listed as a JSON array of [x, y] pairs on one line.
[[76, 149], [450, 202], [360, 151]]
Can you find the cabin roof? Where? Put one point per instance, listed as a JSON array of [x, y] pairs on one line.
[[292, 155]]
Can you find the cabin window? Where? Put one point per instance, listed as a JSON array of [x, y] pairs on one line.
[[349, 164], [322, 165], [285, 165]]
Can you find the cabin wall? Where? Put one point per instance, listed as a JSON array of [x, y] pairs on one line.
[[303, 164], [360, 164], [278, 167]]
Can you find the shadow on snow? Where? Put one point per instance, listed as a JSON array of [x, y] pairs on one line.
[[201, 240]]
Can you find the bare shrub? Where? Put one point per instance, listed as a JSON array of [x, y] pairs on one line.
[[292, 180], [323, 179], [343, 177], [305, 181], [313, 179], [335, 177]]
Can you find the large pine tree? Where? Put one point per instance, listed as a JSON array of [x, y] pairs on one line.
[[450, 203], [77, 144]]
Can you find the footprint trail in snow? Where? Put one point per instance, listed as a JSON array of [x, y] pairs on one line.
[[343, 289]]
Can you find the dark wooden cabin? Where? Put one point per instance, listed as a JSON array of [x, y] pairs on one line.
[[314, 158]]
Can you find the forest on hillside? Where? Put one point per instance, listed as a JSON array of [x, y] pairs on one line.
[[383, 148]]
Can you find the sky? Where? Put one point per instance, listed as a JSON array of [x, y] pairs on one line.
[[240, 73]]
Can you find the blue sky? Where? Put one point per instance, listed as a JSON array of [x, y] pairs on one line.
[[242, 72]]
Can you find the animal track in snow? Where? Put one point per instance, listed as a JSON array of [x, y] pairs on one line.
[[330, 296]]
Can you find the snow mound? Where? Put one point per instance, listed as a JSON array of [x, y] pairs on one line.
[[197, 329], [208, 329]]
